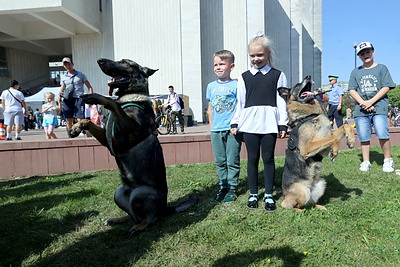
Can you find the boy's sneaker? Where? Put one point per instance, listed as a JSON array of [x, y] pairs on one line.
[[365, 166], [388, 165], [230, 196], [9, 139], [221, 194]]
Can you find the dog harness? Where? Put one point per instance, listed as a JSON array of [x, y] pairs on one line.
[[294, 133], [153, 130]]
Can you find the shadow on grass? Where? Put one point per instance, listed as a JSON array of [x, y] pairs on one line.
[[286, 254], [112, 247], [335, 189], [15, 188], [31, 233], [374, 157]]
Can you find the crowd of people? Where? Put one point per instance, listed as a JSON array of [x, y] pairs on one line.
[[54, 112]]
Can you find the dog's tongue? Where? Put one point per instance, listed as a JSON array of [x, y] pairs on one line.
[[304, 94], [110, 90]]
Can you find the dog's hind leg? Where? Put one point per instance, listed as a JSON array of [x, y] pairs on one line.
[[146, 205], [137, 228], [121, 198], [118, 220], [296, 196], [317, 191], [320, 207]]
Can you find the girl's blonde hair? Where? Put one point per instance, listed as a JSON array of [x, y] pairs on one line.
[[264, 41], [49, 94]]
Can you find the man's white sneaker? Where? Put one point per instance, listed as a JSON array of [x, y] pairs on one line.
[[365, 166], [388, 165]]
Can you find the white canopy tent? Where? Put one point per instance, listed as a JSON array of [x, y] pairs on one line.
[[36, 101]]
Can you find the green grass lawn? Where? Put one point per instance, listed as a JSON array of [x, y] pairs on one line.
[[58, 221]]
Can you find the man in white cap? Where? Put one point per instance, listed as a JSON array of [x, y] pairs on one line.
[[74, 107], [335, 101], [369, 85]]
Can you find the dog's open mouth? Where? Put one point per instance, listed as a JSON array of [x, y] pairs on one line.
[[117, 82], [305, 94], [120, 77]]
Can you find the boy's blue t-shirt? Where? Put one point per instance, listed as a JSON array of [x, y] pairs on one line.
[[367, 83], [223, 99]]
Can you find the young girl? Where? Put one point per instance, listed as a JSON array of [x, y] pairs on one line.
[[49, 110], [261, 116]]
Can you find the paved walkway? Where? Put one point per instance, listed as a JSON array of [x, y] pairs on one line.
[[61, 132]]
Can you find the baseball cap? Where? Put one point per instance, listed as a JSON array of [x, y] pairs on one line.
[[333, 77], [364, 45], [66, 59]]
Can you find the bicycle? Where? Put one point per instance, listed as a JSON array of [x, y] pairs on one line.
[[164, 122]]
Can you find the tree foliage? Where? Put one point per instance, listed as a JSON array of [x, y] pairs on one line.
[[394, 97]]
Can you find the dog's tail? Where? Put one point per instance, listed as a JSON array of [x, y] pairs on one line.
[[183, 206]]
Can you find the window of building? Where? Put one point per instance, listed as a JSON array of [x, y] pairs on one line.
[[3, 63]]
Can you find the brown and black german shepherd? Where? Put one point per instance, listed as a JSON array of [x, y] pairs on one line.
[[129, 136], [311, 138]]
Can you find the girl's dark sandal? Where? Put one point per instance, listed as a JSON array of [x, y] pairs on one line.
[[270, 206], [252, 204]]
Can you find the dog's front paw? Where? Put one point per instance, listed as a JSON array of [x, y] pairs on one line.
[[74, 132], [77, 128], [92, 99], [333, 155], [350, 143]]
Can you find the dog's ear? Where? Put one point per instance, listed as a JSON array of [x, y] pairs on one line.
[[284, 92], [148, 71]]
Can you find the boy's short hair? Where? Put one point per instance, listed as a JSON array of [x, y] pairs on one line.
[[13, 83], [225, 54]]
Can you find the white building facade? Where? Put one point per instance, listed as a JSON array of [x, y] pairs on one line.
[[178, 37]]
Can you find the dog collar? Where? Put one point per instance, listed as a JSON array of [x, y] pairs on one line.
[[153, 130], [294, 133]]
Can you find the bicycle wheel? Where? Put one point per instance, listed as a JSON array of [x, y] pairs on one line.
[[164, 124]]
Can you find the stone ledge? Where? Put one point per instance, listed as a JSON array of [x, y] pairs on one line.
[[33, 158]]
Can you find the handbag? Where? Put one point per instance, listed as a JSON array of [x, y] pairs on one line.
[[69, 90]]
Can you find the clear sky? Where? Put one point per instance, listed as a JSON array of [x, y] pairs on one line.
[[345, 22]]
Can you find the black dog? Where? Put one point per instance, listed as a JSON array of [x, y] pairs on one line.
[[129, 136]]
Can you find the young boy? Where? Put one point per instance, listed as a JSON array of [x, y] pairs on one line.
[[369, 85], [222, 98]]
